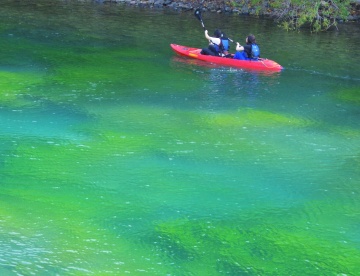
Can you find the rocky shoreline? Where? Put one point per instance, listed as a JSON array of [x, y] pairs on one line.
[[240, 7]]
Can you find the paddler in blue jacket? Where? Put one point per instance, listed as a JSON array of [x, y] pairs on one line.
[[250, 51]]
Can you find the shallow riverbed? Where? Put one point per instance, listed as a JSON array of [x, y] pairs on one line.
[[117, 156]]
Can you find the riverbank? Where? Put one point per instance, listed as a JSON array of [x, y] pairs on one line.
[[216, 6]]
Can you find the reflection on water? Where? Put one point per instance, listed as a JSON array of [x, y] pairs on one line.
[[189, 61], [117, 156]]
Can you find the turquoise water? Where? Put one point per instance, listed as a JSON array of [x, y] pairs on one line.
[[118, 157]]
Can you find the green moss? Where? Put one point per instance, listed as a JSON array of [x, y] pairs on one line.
[[258, 248], [349, 95], [345, 131], [14, 86], [256, 118]]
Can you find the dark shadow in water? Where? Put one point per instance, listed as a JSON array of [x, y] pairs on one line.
[[227, 87]]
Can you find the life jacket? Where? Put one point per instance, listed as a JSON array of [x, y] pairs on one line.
[[255, 51], [224, 46]]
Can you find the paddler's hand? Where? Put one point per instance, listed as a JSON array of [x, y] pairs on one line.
[[239, 47], [206, 35]]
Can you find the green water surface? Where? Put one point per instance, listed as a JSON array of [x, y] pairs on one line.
[[118, 157]]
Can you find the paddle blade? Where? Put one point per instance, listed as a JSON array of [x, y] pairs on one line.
[[198, 14]]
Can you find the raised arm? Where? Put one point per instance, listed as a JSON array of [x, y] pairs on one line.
[[214, 40]]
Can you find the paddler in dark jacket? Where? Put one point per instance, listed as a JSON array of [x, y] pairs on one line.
[[214, 48]]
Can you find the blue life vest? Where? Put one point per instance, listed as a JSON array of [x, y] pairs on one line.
[[255, 51], [225, 44]]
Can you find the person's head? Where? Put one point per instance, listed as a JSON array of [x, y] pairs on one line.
[[250, 39], [217, 33]]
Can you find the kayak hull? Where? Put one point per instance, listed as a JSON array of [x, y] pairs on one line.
[[261, 64]]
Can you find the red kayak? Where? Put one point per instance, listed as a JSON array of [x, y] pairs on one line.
[[260, 64]]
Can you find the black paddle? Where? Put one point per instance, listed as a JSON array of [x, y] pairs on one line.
[[198, 16]]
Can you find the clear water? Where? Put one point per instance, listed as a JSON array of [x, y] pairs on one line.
[[119, 157]]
